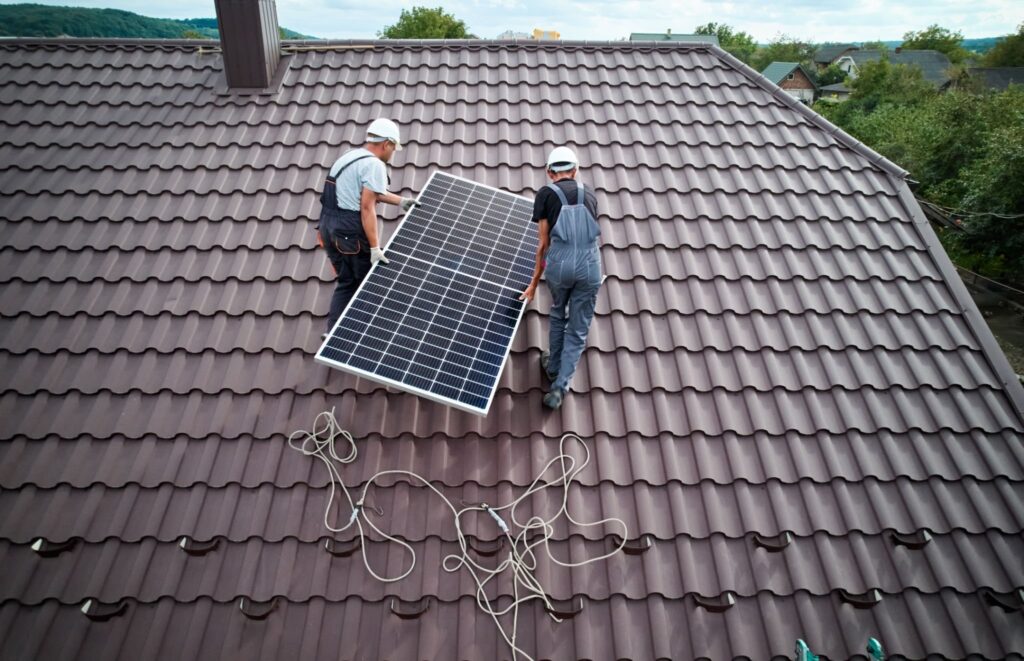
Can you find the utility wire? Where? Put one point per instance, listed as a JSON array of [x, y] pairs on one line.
[[962, 212]]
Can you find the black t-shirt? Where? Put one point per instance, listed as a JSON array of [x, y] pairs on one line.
[[547, 204]]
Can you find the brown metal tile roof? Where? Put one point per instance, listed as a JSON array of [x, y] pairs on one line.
[[781, 349]]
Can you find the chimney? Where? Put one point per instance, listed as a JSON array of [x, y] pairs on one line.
[[250, 42]]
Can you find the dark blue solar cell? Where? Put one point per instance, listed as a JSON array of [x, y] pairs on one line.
[[456, 359], [393, 372], [488, 366], [367, 364], [445, 391], [474, 399], [336, 355], [421, 376]]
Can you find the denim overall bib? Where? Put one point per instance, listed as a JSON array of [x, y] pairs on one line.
[[573, 274]]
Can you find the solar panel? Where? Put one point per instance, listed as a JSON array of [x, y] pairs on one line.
[[439, 319]]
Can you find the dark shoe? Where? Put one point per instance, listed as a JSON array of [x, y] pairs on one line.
[[545, 360], [553, 400]]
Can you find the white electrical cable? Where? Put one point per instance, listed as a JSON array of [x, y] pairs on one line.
[[521, 558]]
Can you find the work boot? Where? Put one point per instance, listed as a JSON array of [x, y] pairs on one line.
[[553, 400], [545, 361]]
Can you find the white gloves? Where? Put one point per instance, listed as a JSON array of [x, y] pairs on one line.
[[377, 255], [408, 203]]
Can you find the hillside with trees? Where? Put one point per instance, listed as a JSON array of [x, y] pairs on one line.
[[29, 20]]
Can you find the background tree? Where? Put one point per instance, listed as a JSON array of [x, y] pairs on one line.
[[783, 49], [937, 38], [1008, 52], [739, 43], [831, 75], [880, 82], [875, 45], [992, 183], [425, 23], [965, 149]]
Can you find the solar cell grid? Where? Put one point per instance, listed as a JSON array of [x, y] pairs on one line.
[[471, 229], [439, 319]]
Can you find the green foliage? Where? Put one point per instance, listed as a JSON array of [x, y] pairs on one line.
[[831, 75], [875, 45], [991, 182], [1009, 52], [784, 49], [27, 20], [738, 43], [937, 38], [425, 23], [965, 149], [881, 83], [45, 21]]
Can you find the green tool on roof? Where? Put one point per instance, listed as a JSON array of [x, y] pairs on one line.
[[803, 652]]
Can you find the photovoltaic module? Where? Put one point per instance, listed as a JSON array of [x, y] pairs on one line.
[[439, 319]]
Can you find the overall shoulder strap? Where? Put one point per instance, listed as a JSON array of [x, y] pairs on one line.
[[558, 191], [354, 160]]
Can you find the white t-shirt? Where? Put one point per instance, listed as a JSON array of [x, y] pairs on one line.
[[367, 173]]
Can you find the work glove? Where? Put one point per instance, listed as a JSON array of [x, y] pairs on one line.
[[377, 255], [409, 203]]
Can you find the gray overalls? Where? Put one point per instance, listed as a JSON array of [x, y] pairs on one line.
[[573, 274]]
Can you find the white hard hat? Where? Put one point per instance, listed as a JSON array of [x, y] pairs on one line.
[[382, 129], [562, 159]]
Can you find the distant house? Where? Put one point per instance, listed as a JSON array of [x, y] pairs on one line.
[[826, 55], [512, 34], [794, 78], [668, 36], [536, 34], [996, 78], [934, 64], [835, 92]]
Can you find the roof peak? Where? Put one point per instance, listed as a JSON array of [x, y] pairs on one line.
[[326, 44]]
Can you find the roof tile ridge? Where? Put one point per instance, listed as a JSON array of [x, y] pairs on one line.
[[817, 120], [551, 44]]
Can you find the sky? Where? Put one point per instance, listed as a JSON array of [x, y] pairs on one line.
[[839, 20]]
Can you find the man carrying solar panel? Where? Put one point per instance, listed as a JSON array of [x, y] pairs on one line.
[[348, 219], [568, 253]]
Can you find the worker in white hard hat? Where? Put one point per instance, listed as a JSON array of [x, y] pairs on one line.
[[569, 255], [348, 219]]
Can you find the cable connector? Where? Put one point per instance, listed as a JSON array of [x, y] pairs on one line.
[[355, 513], [497, 519]]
